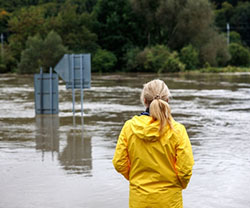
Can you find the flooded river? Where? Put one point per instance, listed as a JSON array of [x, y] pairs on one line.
[[46, 162]]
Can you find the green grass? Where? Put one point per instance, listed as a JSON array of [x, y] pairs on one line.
[[224, 69]]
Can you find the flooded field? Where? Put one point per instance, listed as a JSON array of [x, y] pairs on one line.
[[47, 162]]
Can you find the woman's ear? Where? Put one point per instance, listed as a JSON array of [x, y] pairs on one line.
[[145, 102]]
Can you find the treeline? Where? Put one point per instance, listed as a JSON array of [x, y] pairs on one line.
[[125, 35]]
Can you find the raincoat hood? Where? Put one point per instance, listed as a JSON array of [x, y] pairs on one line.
[[145, 128]]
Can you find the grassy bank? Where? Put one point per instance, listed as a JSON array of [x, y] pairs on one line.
[[224, 69]]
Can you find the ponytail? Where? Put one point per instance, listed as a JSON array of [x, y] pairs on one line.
[[155, 95], [160, 110]]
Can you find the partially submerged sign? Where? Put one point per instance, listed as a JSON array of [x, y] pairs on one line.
[[46, 93], [75, 70]]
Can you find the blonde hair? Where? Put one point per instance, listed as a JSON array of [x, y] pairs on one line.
[[155, 95]]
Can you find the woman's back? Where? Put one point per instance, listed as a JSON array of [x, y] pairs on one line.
[[156, 159]]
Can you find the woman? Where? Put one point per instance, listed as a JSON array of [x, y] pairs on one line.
[[154, 153]]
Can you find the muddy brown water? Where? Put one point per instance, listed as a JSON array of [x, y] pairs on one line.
[[46, 162]]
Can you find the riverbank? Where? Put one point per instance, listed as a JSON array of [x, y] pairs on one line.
[[227, 69], [224, 69]]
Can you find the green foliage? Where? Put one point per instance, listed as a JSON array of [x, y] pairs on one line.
[[240, 56], [238, 15], [31, 56], [175, 23], [132, 34], [7, 61], [4, 17], [214, 50], [223, 15], [240, 21], [2, 65], [190, 57], [152, 59], [131, 59], [41, 53], [235, 37], [228, 69], [117, 27], [103, 61], [74, 29], [23, 24], [155, 59], [219, 3], [172, 64]]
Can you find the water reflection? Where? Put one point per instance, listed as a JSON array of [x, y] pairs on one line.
[[76, 156], [47, 136]]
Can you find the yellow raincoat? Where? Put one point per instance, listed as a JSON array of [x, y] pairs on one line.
[[157, 167]]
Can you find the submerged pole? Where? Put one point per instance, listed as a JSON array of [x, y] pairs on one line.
[[73, 85], [81, 82], [41, 90], [51, 89]]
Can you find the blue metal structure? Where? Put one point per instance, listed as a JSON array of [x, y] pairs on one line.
[[75, 69], [46, 93]]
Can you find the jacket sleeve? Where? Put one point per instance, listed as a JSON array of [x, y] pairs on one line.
[[184, 159], [121, 159]]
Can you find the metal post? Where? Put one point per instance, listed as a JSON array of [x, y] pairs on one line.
[[2, 45], [228, 34], [72, 83], [51, 90], [41, 90], [81, 77]]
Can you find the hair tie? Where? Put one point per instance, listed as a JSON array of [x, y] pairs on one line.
[[157, 97]]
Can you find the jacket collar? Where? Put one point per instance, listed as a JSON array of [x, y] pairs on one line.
[[145, 113]]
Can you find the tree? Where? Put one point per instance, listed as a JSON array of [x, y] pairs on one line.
[[190, 57], [177, 23], [23, 24], [147, 9], [103, 61], [117, 27], [240, 55], [74, 28], [219, 3], [223, 15], [235, 37], [213, 48], [41, 53], [4, 17], [240, 21]]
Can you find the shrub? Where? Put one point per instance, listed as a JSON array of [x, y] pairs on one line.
[[103, 61], [190, 57], [7, 61], [132, 61], [214, 50], [150, 59], [172, 64], [235, 37], [154, 59], [240, 56], [2, 65], [41, 53]]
